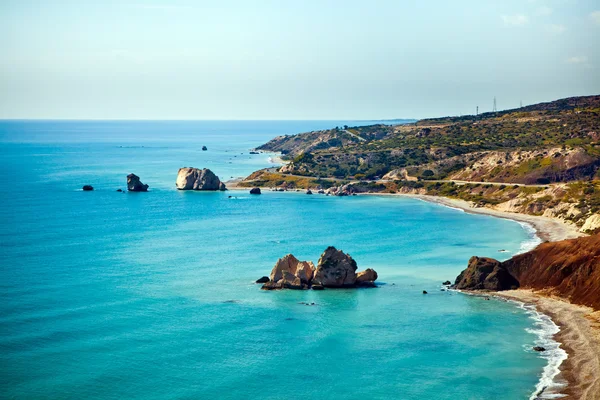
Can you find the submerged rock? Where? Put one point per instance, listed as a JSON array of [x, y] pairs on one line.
[[198, 179], [87, 188], [485, 273], [255, 190], [135, 185], [204, 148]]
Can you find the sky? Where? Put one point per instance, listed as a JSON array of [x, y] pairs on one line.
[[295, 59]]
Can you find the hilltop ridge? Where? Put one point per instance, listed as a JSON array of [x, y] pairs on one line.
[[542, 159]]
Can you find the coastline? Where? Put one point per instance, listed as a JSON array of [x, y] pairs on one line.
[[579, 336], [547, 229], [578, 326]]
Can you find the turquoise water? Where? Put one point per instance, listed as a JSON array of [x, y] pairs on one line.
[[111, 295]]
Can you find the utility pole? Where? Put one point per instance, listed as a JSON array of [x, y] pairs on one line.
[[494, 109], [477, 110]]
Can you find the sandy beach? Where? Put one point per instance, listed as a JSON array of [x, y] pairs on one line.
[[579, 335], [548, 229]]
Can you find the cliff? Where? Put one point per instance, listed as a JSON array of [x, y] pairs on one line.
[[569, 269]]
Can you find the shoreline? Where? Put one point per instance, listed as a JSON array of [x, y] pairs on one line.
[[547, 229], [578, 335], [578, 326]]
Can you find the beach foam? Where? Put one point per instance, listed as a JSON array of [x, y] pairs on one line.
[[533, 239], [545, 329]]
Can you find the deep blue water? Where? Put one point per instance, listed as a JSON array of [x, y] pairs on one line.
[[109, 295]]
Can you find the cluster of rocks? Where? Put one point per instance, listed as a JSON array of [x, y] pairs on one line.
[[335, 269], [189, 178]]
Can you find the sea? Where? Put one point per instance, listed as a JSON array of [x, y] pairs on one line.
[[111, 295]]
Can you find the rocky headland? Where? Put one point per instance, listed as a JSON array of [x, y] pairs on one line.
[[335, 269], [189, 178], [569, 269]]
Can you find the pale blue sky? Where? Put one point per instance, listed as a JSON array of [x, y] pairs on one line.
[[305, 59]]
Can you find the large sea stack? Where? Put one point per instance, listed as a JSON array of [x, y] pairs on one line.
[[198, 179], [334, 270], [135, 185], [569, 268]]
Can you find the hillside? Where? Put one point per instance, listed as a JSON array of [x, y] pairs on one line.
[[542, 159], [568, 269], [550, 142]]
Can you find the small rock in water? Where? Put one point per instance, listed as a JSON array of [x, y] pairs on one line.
[[317, 287], [539, 348], [87, 188], [424, 291], [255, 190], [204, 148], [308, 191], [119, 190], [447, 283], [135, 185], [264, 279]]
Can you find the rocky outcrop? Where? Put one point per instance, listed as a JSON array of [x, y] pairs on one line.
[[198, 179], [334, 270], [485, 274], [366, 277], [303, 270], [135, 185], [569, 269], [87, 188], [356, 188], [255, 190]]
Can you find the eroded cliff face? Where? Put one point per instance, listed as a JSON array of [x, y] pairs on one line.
[[569, 269]]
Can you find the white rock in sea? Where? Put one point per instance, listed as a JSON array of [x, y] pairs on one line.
[[198, 179]]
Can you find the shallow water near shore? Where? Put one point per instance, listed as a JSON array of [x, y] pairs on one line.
[[150, 295]]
